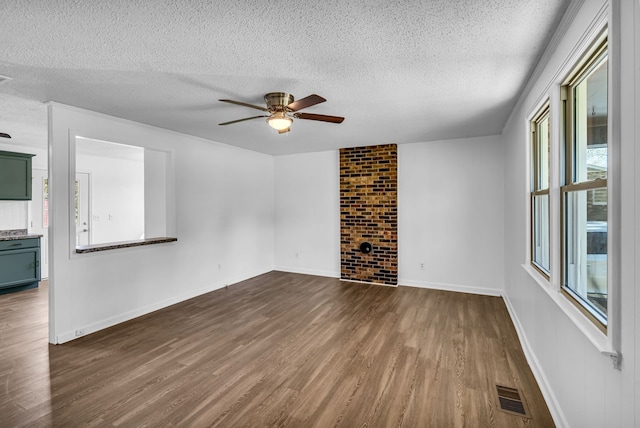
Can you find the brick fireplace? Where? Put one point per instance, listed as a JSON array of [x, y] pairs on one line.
[[369, 214]]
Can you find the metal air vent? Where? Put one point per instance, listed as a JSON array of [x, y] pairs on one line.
[[510, 401]]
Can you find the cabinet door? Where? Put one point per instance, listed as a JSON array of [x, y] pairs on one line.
[[19, 267], [15, 176]]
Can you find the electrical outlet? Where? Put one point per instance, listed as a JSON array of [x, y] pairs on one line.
[[422, 266], [80, 332]]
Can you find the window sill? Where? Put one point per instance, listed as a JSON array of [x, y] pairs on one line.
[[588, 329], [83, 249]]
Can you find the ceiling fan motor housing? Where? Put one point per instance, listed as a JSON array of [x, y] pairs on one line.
[[278, 101]]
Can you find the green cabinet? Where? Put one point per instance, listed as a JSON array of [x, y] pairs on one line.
[[15, 176], [19, 264]]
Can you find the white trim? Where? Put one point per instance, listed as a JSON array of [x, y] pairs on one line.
[[547, 392], [555, 174], [602, 342], [545, 99], [599, 23], [368, 283], [71, 192], [75, 134], [52, 285], [597, 338], [605, 343], [595, 28], [614, 172], [558, 35], [127, 316], [469, 289]]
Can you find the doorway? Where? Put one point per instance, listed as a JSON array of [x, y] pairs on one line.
[[82, 209], [39, 216]]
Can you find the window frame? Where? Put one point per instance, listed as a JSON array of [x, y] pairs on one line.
[[544, 112], [598, 51], [164, 202]]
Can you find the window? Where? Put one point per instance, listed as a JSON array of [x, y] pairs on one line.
[[109, 199], [540, 191], [584, 190]]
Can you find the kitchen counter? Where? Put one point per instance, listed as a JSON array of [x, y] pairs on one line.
[[81, 249], [19, 260], [11, 235]]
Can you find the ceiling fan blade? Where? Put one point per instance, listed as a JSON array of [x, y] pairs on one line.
[[241, 120], [3, 135], [245, 104], [284, 131], [320, 117], [305, 102]]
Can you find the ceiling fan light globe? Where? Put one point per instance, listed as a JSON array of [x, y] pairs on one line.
[[279, 123]]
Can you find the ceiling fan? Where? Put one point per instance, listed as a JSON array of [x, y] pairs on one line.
[[283, 109]]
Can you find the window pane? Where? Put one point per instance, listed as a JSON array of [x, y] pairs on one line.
[[543, 153], [541, 231], [585, 261], [591, 111]]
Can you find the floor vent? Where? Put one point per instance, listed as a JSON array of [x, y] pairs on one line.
[[510, 401]]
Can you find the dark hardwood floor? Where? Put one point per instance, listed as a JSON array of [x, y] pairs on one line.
[[280, 349]]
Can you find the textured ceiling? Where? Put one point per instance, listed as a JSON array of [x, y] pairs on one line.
[[398, 71]]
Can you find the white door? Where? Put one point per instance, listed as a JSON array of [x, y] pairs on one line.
[[39, 216], [83, 220]]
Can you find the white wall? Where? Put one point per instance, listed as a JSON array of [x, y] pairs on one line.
[[222, 216], [581, 386], [450, 200], [155, 194], [450, 215], [307, 206]]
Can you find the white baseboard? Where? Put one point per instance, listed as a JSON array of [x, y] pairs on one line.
[[549, 397], [381, 284], [127, 316], [485, 291], [325, 273]]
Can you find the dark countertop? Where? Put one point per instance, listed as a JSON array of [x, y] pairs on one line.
[[14, 234], [81, 249]]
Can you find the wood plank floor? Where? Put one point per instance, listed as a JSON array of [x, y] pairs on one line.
[[280, 349]]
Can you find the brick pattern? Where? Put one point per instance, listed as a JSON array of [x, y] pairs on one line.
[[369, 212]]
